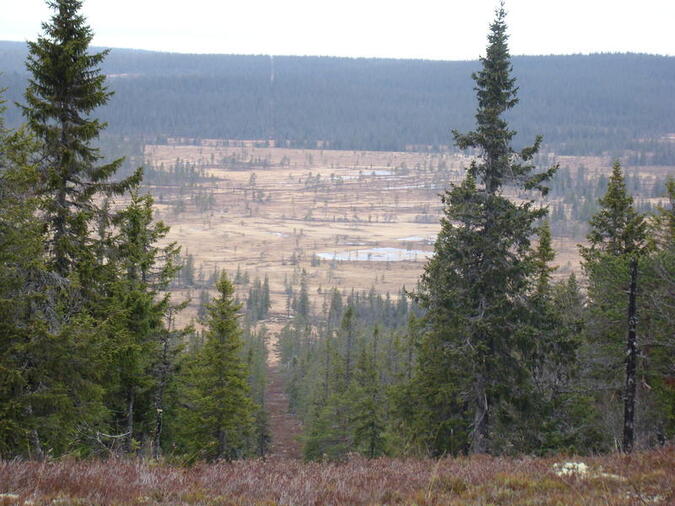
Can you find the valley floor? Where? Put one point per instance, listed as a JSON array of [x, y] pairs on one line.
[[643, 478]]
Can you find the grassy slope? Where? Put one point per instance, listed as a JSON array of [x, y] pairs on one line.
[[616, 479]]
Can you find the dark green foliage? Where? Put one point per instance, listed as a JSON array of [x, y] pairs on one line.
[[48, 368], [301, 303], [499, 358], [619, 235], [255, 353], [657, 327], [258, 301], [473, 365], [51, 352], [88, 348], [616, 229], [368, 416], [50, 393], [144, 270], [215, 414], [65, 87], [343, 373], [543, 256]]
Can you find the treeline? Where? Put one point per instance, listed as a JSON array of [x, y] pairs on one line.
[[582, 104], [91, 361]]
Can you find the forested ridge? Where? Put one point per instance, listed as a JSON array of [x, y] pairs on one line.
[[581, 104], [490, 353]]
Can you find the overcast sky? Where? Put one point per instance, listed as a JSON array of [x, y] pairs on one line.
[[432, 29]]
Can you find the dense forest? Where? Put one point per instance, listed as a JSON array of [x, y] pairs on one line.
[[489, 354], [581, 104]]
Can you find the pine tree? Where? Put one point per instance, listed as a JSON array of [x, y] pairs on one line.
[[335, 309], [216, 417], [475, 286], [301, 305], [550, 414], [265, 303], [347, 338], [255, 350], [65, 87], [328, 432]]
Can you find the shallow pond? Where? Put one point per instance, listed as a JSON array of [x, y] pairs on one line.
[[376, 255]]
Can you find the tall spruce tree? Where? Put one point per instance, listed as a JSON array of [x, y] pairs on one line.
[[62, 362], [65, 87], [617, 229], [475, 287], [50, 393]]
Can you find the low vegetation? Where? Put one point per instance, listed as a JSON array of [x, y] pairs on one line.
[[643, 478]]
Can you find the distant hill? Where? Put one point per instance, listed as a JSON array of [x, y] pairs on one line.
[[582, 104]]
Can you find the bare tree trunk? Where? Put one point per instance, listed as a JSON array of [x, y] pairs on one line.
[[348, 358], [326, 378], [479, 436], [60, 256], [631, 363], [222, 443], [162, 380], [130, 420], [35, 438]]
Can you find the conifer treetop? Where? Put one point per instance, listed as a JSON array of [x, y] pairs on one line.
[[64, 88], [66, 83], [617, 228], [496, 92]]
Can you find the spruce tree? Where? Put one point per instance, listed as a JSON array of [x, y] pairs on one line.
[[544, 254], [616, 241], [215, 419], [50, 397], [476, 285], [65, 87], [550, 414], [367, 413], [617, 229], [143, 271], [657, 413], [21, 261]]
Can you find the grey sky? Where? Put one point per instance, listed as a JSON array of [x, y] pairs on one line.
[[433, 29]]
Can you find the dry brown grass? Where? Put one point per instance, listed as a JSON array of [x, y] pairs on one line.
[[376, 206], [643, 478]]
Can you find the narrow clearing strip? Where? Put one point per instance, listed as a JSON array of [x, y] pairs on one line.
[[285, 428]]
